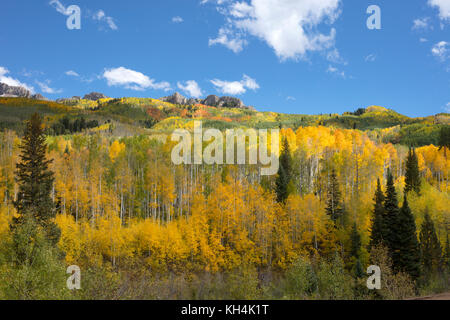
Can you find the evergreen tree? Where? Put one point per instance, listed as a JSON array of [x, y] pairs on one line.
[[447, 254], [430, 248], [444, 139], [284, 184], [355, 251], [378, 231], [412, 176], [391, 214], [35, 182], [334, 204], [406, 253]]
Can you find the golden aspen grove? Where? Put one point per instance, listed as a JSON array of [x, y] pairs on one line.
[[139, 226]]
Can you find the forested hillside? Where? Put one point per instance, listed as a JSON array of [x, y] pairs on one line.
[[352, 190]]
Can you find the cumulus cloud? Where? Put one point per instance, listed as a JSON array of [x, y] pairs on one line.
[[227, 38], [177, 19], [72, 73], [133, 80], [421, 24], [441, 50], [443, 6], [289, 27], [101, 16], [45, 87], [11, 81], [191, 87], [235, 87]]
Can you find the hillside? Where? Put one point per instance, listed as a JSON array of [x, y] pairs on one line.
[[130, 116]]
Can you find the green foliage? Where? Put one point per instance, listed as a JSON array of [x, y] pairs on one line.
[[405, 251], [334, 199], [35, 182], [430, 248], [378, 231], [412, 175], [284, 184], [391, 210]]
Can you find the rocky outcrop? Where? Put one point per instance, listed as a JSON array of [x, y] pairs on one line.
[[212, 100], [94, 96], [10, 91], [230, 102], [39, 96], [73, 100], [176, 98]]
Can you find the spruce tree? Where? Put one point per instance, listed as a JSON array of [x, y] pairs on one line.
[[412, 176], [430, 247], [446, 256], [444, 139], [406, 254], [334, 204], [391, 214], [284, 184], [355, 251], [378, 231], [35, 182]]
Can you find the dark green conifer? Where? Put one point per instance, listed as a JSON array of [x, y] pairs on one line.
[[378, 232], [284, 185], [430, 247], [412, 175]]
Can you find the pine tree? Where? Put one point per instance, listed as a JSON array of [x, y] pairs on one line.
[[406, 254], [446, 256], [378, 231], [412, 176], [430, 248], [355, 251], [334, 205], [444, 139], [284, 184], [35, 182], [391, 214]]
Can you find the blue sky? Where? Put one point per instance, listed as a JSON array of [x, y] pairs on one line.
[[292, 56]]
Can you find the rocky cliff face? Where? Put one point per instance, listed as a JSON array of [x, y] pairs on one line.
[[212, 100], [94, 96], [9, 91]]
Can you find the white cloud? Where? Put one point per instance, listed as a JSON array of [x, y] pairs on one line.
[[441, 50], [419, 24], [235, 87], [447, 107], [72, 73], [191, 87], [423, 40], [335, 57], [336, 71], [370, 58], [227, 38], [46, 89], [101, 16], [289, 98], [289, 27], [133, 80], [11, 81], [443, 6], [177, 19]]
